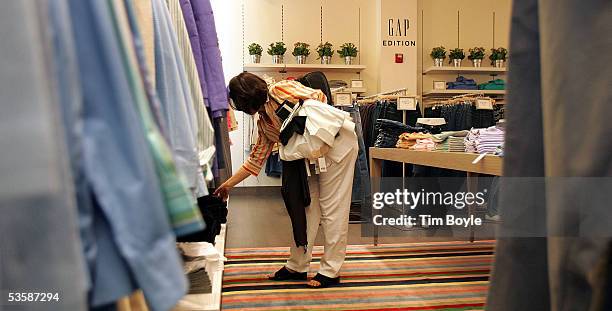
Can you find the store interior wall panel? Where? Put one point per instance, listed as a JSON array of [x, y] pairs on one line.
[[368, 48], [394, 75], [503, 11], [302, 23], [262, 24], [340, 24]]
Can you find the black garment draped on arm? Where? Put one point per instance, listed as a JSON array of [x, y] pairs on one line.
[[294, 188]]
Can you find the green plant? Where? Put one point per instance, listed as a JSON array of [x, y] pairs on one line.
[[301, 48], [498, 54], [476, 53], [255, 49], [438, 52], [456, 53], [325, 49], [277, 48], [348, 49]]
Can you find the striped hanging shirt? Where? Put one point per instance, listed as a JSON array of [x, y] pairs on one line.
[[268, 126]]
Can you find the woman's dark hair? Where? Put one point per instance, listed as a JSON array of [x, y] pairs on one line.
[[248, 92]]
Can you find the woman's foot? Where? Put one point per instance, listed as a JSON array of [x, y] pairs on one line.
[[321, 281], [285, 274]]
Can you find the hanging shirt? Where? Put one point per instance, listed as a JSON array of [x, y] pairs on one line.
[[268, 125], [199, 19]]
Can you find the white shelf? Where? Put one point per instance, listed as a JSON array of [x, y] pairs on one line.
[[472, 70], [264, 67], [210, 301], [459, 92], [303, 67]]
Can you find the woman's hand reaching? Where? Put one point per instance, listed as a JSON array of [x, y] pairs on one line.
[[223, 191]]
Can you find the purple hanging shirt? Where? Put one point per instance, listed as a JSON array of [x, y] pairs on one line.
[[200, 23]]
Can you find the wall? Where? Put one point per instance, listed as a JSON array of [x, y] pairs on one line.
[[451, 23]]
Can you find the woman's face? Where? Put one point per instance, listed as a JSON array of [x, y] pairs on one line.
[[261, 109]]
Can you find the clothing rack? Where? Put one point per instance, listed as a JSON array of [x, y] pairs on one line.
[[401, 91], [383, 96], [460, 99]]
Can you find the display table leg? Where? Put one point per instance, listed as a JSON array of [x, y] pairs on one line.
[[375, 176], [472, 186]]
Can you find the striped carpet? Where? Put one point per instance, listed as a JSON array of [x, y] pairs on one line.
[[417, 276]]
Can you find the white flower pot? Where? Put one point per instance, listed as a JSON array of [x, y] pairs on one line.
[[277, 59], [477, 63], [457, 62], [326, 60], [438, 62], [300, 59], [255, 59], [348, 60]]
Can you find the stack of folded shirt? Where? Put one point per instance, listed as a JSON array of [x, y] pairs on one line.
[[497, 84], [425, 144], [470, 140], [462, 83], [389, 132], [443, 146], [490, 138], [456, 144], [407, 140], [442, 139], [484, 140], [499, 151]]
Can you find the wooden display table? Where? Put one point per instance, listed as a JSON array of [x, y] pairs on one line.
[[459, 161]]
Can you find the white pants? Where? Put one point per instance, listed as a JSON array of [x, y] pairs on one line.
[[330, 194]]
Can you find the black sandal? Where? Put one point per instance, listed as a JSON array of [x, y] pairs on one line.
[[284, 274], [324, 281]]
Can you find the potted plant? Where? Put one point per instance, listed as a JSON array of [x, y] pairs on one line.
[[277, 50], [498, 57], [456, 56], [255, 51], [301, 51], [438, 54], [325, 51], [476, 56], [348, 51]]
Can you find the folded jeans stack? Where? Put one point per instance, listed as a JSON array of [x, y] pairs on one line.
[[389, 132]]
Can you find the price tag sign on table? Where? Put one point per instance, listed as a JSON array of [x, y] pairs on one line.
[[406, 103], [485, 104], [343, 99]]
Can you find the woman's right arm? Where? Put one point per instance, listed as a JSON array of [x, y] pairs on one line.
[[257, 158]]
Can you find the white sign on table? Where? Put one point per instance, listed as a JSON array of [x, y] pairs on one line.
[[406, 103]]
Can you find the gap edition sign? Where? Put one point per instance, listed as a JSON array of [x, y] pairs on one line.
[[398, 46], [397, 33]]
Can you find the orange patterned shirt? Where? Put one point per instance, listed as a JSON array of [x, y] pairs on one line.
[[269, 124]]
